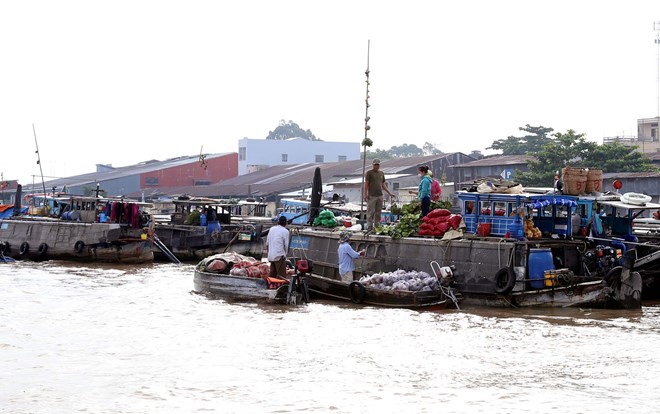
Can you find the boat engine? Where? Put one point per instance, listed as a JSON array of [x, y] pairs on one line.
[[601, 259]]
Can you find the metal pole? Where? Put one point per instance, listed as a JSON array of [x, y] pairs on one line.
[[366, 129], [656, 27], [39, 162]]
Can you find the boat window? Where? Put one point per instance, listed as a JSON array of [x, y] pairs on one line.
[[562, 211], [484, 207], [547, 211], [468, 208], [500, 208]]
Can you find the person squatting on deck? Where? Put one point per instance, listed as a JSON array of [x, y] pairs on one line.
[[374, 185], [424, 189], [278, 246], [346, 255]]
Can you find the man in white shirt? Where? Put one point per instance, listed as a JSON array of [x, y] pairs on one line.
[[278, 246]]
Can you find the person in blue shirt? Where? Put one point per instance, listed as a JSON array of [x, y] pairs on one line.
[[424, 189], [346, 255]]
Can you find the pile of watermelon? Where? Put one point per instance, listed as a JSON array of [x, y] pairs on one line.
[[438, 221]]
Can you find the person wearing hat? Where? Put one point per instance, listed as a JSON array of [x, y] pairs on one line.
[[374, 185], [278, 246], [346, 255]]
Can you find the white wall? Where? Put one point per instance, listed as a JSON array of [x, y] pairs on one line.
[[260, 152]]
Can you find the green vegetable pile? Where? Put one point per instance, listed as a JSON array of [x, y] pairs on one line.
[[409, 220], [326, 218]]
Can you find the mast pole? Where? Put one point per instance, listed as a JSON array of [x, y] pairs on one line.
[[366, 142], [39, 161]]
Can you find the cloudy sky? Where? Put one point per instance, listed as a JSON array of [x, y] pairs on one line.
[[128, 81]]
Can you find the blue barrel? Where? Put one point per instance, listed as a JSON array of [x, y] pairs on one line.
[[516, 230], [203, 220], [540, 260]]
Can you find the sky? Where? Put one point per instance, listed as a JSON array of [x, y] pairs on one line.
[[123, 82]]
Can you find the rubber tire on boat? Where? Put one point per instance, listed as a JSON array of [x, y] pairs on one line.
[[79, 246], [24, 249], [360, 292], [43, 249], [613, 274], [505, 279]]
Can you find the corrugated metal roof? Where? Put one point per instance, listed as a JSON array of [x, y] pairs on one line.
[[286, 178], [499, 160], [120, 172]]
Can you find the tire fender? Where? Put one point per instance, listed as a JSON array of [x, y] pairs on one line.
[[79, 246], [43, 249], [24, 249], [505, 279], [356, 297]]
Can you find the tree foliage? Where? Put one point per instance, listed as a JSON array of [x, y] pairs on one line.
[[533, 142], [572, 149], [286, 130], [406, 150], [430, 149]]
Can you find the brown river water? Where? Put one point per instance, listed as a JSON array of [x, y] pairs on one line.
[[134, 339]]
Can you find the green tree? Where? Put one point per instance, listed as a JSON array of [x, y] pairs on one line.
[[533, 142], [286, 130], [563, 150], [618, 158], [406, 150], [430, 149], [379, 153]]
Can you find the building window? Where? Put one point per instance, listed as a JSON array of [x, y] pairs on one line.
[[151, 181], [341, 158], [242, 152], [319, 158], [395, 186], [285, 157], [201, 182]]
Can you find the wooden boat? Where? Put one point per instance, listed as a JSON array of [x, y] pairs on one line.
[[77, 228], [496, 264], [197, 228], [242, 288], [334, 289]]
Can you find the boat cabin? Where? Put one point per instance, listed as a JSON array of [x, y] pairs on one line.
[[495, 214]]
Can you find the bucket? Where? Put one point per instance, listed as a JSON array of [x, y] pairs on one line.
[[594, 181], [575, 180], [540, 260], [483, 229]]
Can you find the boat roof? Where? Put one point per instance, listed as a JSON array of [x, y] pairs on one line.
[[627, 206]]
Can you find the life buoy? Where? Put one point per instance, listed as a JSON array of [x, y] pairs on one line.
[[43, 248], [24, 249], [79, 246], [359, 296], [505, 279], [635, 198]]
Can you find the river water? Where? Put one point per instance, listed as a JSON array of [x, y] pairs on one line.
[[112, 339]]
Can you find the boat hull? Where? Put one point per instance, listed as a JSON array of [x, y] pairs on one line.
[[238, 287], [477, 261], [327, 288], [45, 239]]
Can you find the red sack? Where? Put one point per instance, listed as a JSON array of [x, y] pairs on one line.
[[439, 212], [455, 221], [441, 228], [426, 227]]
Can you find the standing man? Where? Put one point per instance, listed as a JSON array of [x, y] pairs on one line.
[[278, 246], [374, 185], [346, 255]]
